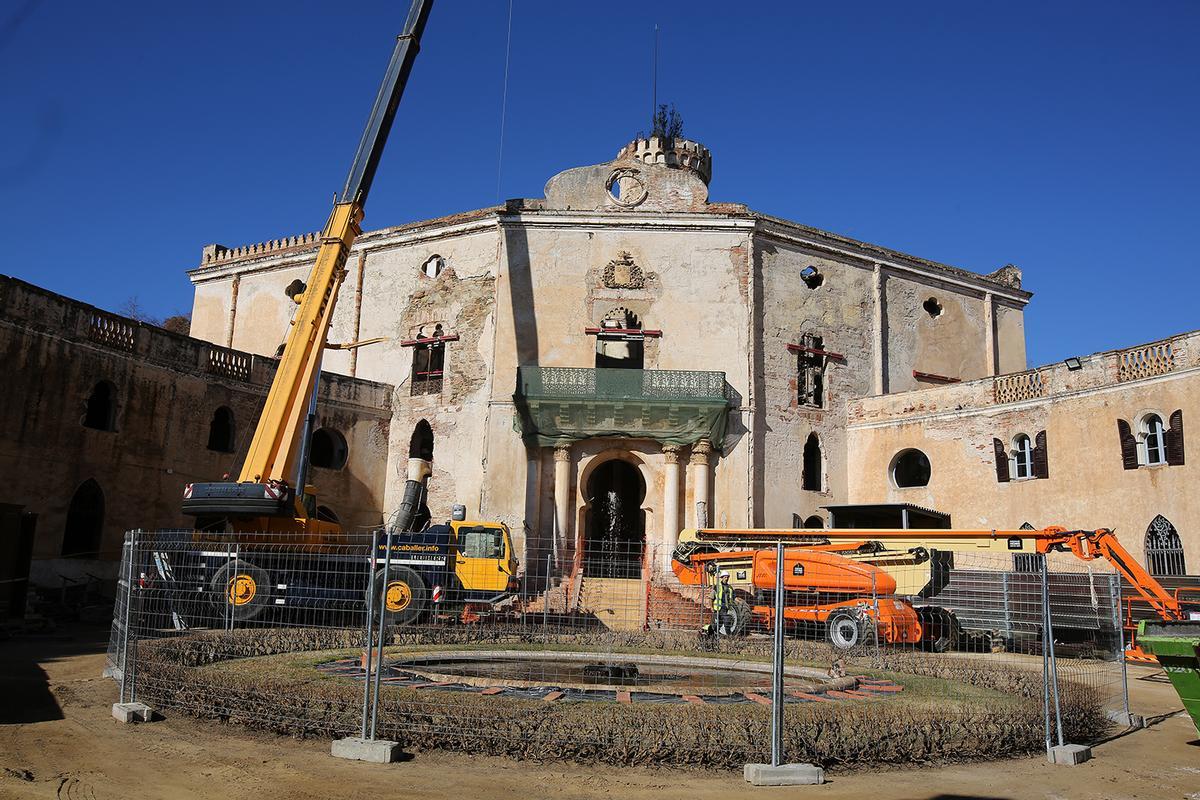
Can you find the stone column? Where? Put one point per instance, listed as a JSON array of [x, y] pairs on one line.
[[670, 504], [701, 511], [562, 495], [989, 331]]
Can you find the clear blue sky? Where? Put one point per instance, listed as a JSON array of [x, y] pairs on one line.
[[1061, 136]]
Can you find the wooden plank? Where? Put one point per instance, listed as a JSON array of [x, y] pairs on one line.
[[881, 688], [493, 690], [552, 696], [807, 696], [694, 700], [757, 698], [624, 697]]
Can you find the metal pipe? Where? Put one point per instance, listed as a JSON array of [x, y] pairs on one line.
[[129, 632], [1049, 642], [1045, 661], [128, 605], [370, 649], [387, 567], [1114, 590], [306, 439], [777, 664]]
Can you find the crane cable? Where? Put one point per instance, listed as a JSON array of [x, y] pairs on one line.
[[504, 101]]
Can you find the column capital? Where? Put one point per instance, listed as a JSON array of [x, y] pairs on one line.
[[671, 453], [562, 452], [701, 450]]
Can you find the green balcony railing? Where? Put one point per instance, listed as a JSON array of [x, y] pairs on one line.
[[556, 404]]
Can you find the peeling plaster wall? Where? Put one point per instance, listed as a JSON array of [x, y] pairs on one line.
[[165, 401], [1087, 486]]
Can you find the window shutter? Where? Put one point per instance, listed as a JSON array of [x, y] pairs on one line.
[[1041, 459], [1001, 461], [1175, 439], [1129, 458]]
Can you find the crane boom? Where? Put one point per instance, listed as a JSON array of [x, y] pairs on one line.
[[263, 490]]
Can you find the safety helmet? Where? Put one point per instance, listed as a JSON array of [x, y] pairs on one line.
[[724, 574]]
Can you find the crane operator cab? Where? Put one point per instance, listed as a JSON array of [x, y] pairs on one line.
[[462, 566]]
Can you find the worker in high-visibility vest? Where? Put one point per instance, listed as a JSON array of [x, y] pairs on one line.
[[722, 604]]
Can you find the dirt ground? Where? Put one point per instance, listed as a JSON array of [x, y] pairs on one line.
[[58, 740]]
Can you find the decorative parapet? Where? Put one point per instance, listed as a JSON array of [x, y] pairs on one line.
[[229, 363], [214, 254], [670, 152], [1018, 386], [565, 404], [112, 331], [1145, 361]]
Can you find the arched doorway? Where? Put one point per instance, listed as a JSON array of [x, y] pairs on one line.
[[615, 533], [85, 522]]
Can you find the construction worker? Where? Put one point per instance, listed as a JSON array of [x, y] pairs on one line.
[[722, 604]]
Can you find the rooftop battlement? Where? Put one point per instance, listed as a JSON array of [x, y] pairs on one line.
[[682, 153]]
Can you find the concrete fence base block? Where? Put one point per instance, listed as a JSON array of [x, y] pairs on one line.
[[1127, 720], [783, 775], [132, 712], [375, 751], [1069, 754]]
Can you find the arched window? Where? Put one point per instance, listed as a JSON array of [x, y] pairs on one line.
[[810, 478], [814, 521], [910, 468], [328, 449], [101, 413], [221, 431], [85, 522], [1164, 550], [1022, 457], [421, 443], [327, 514], [1152, 441]]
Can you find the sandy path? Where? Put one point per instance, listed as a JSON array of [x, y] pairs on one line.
[[57, 740]]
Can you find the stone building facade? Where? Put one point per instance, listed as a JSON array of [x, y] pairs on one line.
[[624, 336], [1098, 442], [106, 418]]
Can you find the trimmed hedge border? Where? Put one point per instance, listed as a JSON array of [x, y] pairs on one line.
[[181, 673]]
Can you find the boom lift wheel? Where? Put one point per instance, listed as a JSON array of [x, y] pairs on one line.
[[940, 630], [845, 630], [240, 590], [404, 598]]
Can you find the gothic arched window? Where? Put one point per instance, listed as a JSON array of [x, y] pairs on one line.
[[1164, 550]]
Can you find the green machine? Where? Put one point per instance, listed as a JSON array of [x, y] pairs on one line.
[[1176, 645]]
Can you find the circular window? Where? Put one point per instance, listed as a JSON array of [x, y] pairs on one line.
[[910, 468], [433, 266], [626, 187], [328, 449]]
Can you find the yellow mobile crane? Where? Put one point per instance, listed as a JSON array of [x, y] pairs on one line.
[[470, 565], [271, 493]]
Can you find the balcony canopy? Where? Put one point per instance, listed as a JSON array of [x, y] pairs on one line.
[[566, 404]]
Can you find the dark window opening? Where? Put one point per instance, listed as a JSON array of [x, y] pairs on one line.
[[619, 343], [810, 478], [615, 532], [1164, 550], [812, 277], [221, 431], [429, 360], [327, 514], [328, 449], [814, 522], [85, 522], [810, 375], [101, 411], [911, 468], [932, 307], [421, 443]]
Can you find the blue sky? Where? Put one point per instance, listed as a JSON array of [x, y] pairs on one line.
[[1057, 136]]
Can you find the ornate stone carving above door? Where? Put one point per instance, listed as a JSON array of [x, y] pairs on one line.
[[622, 273]]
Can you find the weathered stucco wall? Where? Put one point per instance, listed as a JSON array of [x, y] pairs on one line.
[[166, 393], [1087, 486]]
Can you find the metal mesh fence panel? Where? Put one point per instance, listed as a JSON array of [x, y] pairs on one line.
[[625, 655]]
